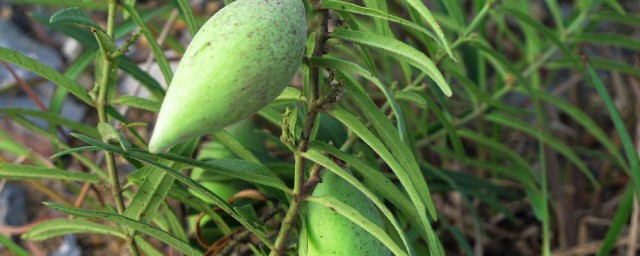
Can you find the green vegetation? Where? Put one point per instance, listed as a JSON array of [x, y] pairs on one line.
[[478, 127]]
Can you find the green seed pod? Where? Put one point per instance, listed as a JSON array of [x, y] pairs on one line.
[[328, 233], [238, 62]]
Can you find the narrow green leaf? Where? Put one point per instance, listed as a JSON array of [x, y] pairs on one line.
[[446, 120], [241, 169], [226, 139], [149, 195], [502, 151], [399, 149], [615, 4], [330, 165], [588, 123], [163, 63], [127, 222], [398, 50], [601, 64], [190, 200], [59, 227], [350, 67], [10, 145], [137, 102], [155, 186], [53, 119], [52, 137], [174, 222], [383, 185], [46, 72], [558, 146], [76, 68], [146, 247], [428, 17], [548, 33], [249, 213], [74, 15], [13, 247], [356, 9], [187, 14], [556, 13], [89, 4], [626, 19], [74, 150], [455, 11], [625, 138], [607, 39], [358, 128], [288, 96], [359, 219], [18, 171], [618, 222], [197, 187], [411, 97]]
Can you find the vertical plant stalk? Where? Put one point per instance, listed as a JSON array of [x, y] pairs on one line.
[[101, 105], [300, 189]]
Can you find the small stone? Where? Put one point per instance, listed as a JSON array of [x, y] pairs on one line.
[[13, 206], [69, 247], [14, 39]]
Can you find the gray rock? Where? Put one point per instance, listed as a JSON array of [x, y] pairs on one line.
[[13, 206], [69, 247], [14, 39]]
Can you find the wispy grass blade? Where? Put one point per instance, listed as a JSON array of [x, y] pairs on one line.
[[163, 63], [127, 222], [618, 221], [558, 146], [625, 138], [18, 171], [428, 17], [398, 50], [60, 227]]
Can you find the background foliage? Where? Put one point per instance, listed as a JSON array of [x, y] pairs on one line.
[[476, 127]]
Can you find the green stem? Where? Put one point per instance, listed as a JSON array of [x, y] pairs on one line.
[[300, 189], [290, 217], [101, 105]]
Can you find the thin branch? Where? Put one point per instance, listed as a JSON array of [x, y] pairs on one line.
[[300, 191], [101, 105], [25, 87]]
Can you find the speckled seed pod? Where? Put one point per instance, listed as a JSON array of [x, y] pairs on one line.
[[328, 233], [238, 62]]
